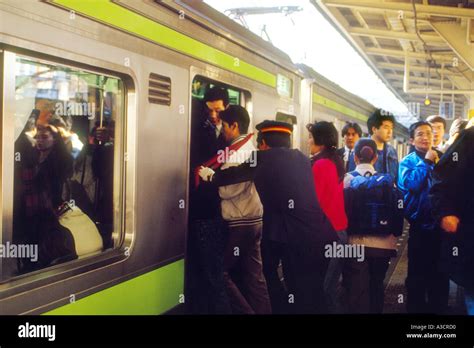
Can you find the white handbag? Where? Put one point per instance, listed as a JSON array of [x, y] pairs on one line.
[[86, 235]]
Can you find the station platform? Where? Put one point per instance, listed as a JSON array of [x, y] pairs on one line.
[[395, 283]]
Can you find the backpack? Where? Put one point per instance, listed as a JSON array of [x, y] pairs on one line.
[[374, 205]]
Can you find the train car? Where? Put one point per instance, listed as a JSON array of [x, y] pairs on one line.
[[136, 67], [126, 78], [330, 102]]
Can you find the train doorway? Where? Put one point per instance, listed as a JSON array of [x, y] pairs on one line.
[[205, 237]]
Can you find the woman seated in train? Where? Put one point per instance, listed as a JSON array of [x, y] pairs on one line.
[[42, 167]]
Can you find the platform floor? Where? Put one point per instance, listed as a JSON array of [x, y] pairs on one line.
[[395, 292]]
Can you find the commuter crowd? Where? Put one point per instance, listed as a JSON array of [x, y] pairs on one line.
[[272, 230]]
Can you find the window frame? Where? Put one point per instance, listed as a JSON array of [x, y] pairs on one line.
[[245, 95], [10, 282], [283, 77]]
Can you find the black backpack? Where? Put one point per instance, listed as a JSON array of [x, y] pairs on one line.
[[374, 205]]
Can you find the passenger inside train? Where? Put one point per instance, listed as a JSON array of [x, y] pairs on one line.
[[64, 165], [42, 169]]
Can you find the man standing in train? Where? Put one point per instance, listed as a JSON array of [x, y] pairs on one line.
[[295, 229], [380, 125], [351, 133], [205, 289]]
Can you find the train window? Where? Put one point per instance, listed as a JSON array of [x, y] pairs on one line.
[[284, 86], [282, 117], [234, 96], [200, 85], [67, 166]]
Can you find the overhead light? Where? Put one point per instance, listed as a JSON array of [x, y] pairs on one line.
[[427, 101]]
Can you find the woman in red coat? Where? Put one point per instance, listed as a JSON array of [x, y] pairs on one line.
[[328, 174]]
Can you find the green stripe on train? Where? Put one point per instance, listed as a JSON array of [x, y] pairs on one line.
[[122, 18], [331, 104], [151, 293]]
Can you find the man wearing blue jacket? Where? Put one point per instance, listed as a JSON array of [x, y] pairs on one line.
[[427, 286]]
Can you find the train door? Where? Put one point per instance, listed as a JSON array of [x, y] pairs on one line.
[[200, 111], [204, 201]]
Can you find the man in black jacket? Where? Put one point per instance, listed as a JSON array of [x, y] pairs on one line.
[[351, 133], [295, 229], [205, 290], [452, 197]]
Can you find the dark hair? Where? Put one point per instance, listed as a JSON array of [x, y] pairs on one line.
[[352, 125], [377, 118], [435, 119], [217, 93], [48, 128], [365, 150], [415, 125], [274, 139], [236, 113], [324, 133]]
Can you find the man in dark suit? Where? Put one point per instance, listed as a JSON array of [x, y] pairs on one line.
[[452, 196], [351, 133], [205, 288], [295, 229]]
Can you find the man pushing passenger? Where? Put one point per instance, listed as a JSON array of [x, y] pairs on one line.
[[242, 211], [295, 229]]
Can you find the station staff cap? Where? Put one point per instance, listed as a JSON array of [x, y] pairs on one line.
[[274, 126]]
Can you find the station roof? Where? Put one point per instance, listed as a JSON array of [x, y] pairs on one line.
[[435, 38]]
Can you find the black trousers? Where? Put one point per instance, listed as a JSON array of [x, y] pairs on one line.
[[304, 270], [427, 286], [243, 254], [205, 287], [363, 282]]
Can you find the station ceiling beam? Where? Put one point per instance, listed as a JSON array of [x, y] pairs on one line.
[[401, 67], [400, 53], [395, 35], [383, 6], [422, 80], [457, 38]]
